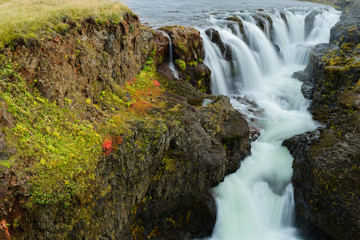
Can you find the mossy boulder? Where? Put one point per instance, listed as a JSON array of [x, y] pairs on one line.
[[187, 43], [188, 52], [196, 156]]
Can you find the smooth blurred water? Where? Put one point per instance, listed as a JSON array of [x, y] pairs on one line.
[[257, 202]]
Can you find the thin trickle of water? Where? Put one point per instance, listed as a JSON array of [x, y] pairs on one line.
[[171, 58], [257, 202]]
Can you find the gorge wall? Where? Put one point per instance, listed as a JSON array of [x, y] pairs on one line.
[[99, 141], [327, 161]]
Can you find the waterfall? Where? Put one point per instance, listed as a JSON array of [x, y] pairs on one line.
[[171, 58], [257, 202]]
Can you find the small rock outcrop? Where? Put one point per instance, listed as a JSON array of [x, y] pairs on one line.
[[188, 53], [309, 22], [214, 37]]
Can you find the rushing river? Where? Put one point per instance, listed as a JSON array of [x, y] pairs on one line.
[[256, 202], [196, 12]]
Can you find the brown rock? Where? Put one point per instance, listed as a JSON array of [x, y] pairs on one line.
[[162, 46], [187, 43]]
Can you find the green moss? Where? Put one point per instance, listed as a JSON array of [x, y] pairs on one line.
[[180, 64], [169, 164], [196, 44], [3, 60], [181, 47], [63, 149], [203, 89], [193, 63]]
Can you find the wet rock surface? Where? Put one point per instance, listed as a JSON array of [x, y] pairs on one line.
[[214, 37], [309, 22]]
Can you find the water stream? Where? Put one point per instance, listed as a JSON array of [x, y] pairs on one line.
[[171, 58], [257, 202]]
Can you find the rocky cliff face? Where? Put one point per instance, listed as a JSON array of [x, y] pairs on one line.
[[160, 157], [327, 161]]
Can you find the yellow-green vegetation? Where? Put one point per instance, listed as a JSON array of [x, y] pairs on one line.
[[180, 64], [169, 164], [52, 143], [55, 145], [339, 64], [27, 19], [136, 96], [348, 56]]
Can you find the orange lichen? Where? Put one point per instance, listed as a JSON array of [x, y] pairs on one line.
[[4, 230]]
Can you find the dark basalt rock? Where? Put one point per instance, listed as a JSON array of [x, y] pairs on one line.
[[214, 37], [347, 30], [187, 43], [264, 22], [313, 72], [180, 203], [276, 47], [162, 47], [284, 18], [309, 22], [239, 21], [326, 173]]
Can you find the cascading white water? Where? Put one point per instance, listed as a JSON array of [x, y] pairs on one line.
[[256, 202]]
